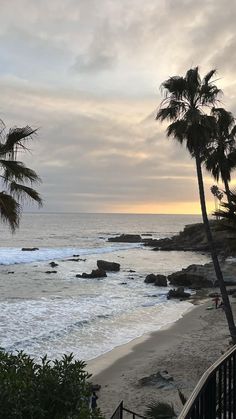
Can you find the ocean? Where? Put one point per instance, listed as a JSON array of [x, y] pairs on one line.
[[59, 313]]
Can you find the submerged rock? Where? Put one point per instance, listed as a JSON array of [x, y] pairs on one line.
[[29, 249], [51, 272], [108, 266], [178, 293], [126, 238], [53, 264], [96, 273]]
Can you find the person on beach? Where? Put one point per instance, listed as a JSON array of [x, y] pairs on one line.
[[221, 305], [216, 300], [94, 401]]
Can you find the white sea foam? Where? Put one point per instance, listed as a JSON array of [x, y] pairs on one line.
[[61, 313], [87, 327], [11, 256]]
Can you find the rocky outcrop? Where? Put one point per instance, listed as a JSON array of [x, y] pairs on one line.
[[108, 266], [96, 273], [29, 249], [126, 238], [193, 238], [178, 293], [158, 280], [195, 276], [203, 276]]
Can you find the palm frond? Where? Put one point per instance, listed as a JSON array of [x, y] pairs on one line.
[[22, 192], [178, 130], [193, 79], [160, 410], [16, 139], [225, 119], [209, 76], [10, 210], [175, 85], [182, 397], [16, 170]]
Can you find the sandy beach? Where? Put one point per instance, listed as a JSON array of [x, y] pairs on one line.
[[185, 350]]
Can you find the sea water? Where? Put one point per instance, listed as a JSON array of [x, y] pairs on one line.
[[57, 313]]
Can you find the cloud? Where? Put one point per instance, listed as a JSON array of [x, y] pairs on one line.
[[94, 62], [88, 74]]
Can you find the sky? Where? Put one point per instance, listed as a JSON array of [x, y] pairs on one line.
[[87, 73]]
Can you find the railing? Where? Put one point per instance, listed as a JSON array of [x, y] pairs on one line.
[[119, 413], [215, 394]]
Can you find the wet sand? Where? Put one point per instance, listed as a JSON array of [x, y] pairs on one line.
[[185, 350]]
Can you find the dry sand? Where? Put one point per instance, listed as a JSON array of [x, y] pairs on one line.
[[185, 350]]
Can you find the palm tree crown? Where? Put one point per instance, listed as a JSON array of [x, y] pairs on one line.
[[185, 104], [220, 154], [15, 176]]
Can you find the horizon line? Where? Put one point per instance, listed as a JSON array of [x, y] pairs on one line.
[[107, 213]]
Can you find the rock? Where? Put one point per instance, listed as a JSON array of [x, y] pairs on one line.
[[191, 278], [193, 238], [51, 272], [161, 281], [178, 293], [126, 238], [231, 291], [158, 280], [150, 279], [160, 380], [108, 266], [131, 271], [53, 264], [29, 249], [96, 273]]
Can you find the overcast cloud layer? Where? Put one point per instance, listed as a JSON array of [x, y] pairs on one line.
[[87, 72]]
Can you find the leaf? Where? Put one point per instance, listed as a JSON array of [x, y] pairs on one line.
[[16, 170], [22, 191], [9, 210], [160, 410]]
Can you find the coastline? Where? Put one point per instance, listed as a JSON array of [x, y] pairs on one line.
[[185, 349], [104, 361]]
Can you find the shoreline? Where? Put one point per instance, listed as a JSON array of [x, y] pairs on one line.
[[99, 364], [185, 349]]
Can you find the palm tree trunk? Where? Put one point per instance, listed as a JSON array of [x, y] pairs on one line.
[[227, 191], [218, 272]]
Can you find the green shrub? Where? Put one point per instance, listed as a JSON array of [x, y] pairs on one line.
[[49, 390]]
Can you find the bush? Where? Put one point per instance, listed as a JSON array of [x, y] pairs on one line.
[[50, 390]]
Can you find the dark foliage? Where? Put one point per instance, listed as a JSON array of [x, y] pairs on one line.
[[160, 410], [49, 390], [17, 179]]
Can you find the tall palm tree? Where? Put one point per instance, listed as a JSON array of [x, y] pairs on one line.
[[15, 176], [220, 154], [185, 106]]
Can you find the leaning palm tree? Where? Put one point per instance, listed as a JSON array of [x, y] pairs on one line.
[[220, 154], [16, 178], [185, 106]]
